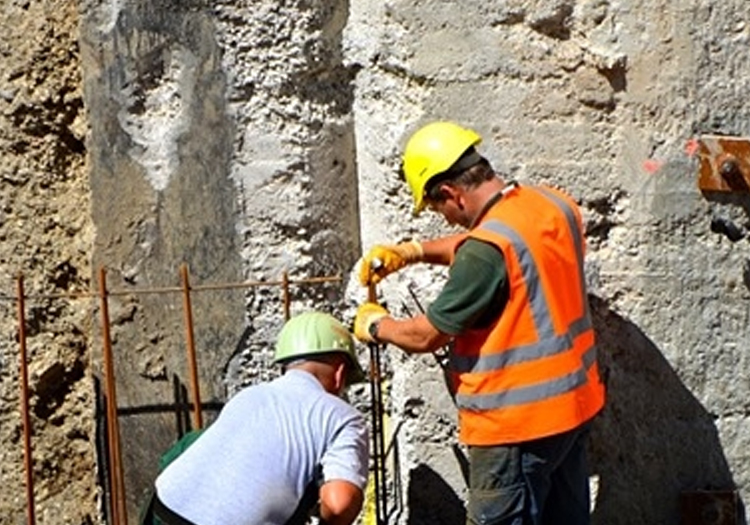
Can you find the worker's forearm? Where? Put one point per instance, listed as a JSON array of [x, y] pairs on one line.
[[441, 250], [415, 335]]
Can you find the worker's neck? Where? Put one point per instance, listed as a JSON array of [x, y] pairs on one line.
[[484, 196], [323, 372]]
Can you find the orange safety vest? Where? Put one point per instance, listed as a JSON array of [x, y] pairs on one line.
[[532, 373]]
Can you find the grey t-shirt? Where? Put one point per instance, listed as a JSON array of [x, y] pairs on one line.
[[251, 466]]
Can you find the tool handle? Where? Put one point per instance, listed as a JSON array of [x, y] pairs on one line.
[[372, 292]]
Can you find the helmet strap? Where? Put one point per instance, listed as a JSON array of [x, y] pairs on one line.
[[465, 161]]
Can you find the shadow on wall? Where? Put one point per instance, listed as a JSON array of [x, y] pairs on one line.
[[654, 440], [431, 500]]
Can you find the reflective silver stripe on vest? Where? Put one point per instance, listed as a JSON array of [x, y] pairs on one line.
[[539, 307], [575, 231], [520, 354], [529, 394], [549, 343]]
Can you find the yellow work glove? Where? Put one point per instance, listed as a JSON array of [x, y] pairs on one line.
[[382, 260], [367, 314]]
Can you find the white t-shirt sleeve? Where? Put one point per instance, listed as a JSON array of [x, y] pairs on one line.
[[348, 455]]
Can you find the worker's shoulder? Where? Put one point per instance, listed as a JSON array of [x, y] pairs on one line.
[[477, 249]]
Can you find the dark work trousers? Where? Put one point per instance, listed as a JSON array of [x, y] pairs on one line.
[[156, 513], [540, 482]]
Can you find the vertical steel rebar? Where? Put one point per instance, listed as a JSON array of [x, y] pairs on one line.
[[117, 492], [378, 433], [114, 471], [24, 371], [286, 297], [192, 359], [376, 437]]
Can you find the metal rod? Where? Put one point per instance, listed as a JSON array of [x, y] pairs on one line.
[[28, 462], [378, 432], [372, 293], [285, 295], [381, 440], [442, 356], [189, 334], [175, 289], [118, 506], [111, 414]]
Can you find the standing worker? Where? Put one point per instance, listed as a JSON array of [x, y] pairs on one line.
[[278, 449], [523, 356]]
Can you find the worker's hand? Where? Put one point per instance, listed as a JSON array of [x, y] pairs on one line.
[[367, 314], [382, 260]]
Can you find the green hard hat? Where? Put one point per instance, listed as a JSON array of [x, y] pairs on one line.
[[314, 333]]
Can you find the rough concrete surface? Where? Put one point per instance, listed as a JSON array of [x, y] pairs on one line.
[[247, 139]]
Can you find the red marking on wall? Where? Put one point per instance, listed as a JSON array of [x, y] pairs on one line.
[[691, 147], [651, 166]]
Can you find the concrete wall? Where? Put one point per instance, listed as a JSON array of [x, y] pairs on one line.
[[599, 98], [251, 138]]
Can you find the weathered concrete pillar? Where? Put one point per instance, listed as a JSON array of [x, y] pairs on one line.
[[160, 148], [221, 137]]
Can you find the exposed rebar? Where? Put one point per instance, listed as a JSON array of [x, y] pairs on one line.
[[378, 433], [24, 372], [285, 296], [190, 339], [117, 492], [115, 472], [176, 289]]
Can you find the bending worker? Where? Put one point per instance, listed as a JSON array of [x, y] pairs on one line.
[[514, 308], [278, 449]]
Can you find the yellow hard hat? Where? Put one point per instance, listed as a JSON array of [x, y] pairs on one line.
[[432, 150]]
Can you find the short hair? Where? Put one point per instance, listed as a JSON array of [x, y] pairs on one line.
[[469, 171]]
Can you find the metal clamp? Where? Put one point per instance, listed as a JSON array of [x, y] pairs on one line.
[[724, 164]]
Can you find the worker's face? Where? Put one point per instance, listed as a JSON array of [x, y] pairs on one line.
[[451, 207]]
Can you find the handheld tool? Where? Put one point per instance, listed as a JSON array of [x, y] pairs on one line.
[[442, 357]]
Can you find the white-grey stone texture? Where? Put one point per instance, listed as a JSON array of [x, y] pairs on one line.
[[601, 98]]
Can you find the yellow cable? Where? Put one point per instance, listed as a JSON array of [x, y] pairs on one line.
[[369, 517]]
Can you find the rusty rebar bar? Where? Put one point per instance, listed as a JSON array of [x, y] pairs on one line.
[[192, 359], [378, 435], [118, 505], [285, 296], [117, 485], [24, 371], [378, 431], [176, 289]]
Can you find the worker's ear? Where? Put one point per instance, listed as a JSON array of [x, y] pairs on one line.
[[340, 375], [449, 191]]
